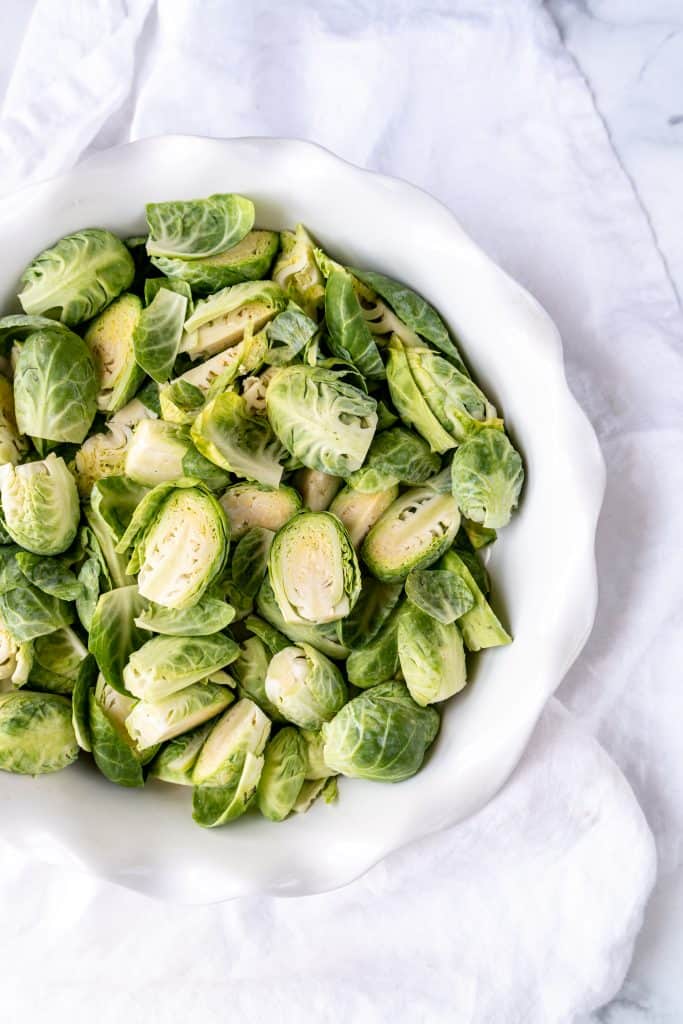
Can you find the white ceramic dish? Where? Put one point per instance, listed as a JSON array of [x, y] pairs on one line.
[[543, 568]]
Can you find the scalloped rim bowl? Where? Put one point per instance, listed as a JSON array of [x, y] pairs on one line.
[[544, 587]]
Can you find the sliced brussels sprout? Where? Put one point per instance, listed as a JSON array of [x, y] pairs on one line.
[[249, 505], [315, 767], [40, 505], [154, 722], [114, 634], [297, 272], [480, 626], [224, 319], [321, 419], [36, 734], [413, 533], [289, 334], [455, 400], [432, 656], [313, 569], [176, 760], [112, 748], [439, 593], [210, 615], [55, 387], [225, 433], [305, 686], [217, 805], [249, 260], [101, 455], [80, 702], [284, 769], [478, 536], [161, 452], [57, 659], [377, 661], [382, 735], [158, 334], [409, 400], [51, 575], [197, 228], [110, 341], [13, 446], [240, 730], [487, 476], [166, 664], [372, 609], [250, 668], [350, 337], [396, 456], [29, 613], [323, 637], [250, 560], [77, 277], [359, 512], [317, 489]]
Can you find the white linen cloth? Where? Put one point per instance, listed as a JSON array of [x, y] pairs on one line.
[[527, 913]]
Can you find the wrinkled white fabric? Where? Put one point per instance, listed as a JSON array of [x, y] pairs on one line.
[[528, 912]]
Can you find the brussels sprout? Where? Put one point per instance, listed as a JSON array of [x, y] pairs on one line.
[[181, 539], [197, 228], [15, 660], [440, 593], [382, 735], [153, 285], [36, 734], [305, 686], [57, 660], [415, 312], [110, 341], [288, 334], [250, 560], [225, 433], [210, 615], [283, 774], [150, 723], [40, 505], [317, 489], [217, 805], [297, 272], [51, 575], [145, 406], [396, 456], [273, 639], [248, 260], [13, 447], [377, 661], [249, 505], [323, 637], [89, 580], [480, 626], [113, 501], [487, 476], [413, 533], [114, 634], [77, 277], [409, 400], [254, 391], [242, 729], [227, 317], [313, 569], [100, 456], [158, 333], [457, 403], [80, 702], [359, 512], [112, 749], [350, 337], [478, 536], [322, 420], [176, 760], [309, 793], [18, 326], [29, 613], [315, 767], [431, 655], [166, 664], [475, 567], [11, 575], [161, 452], [374, 606], [55, 387], [250, 668]]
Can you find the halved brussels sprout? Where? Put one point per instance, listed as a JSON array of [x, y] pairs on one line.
[[197, 228], [217, 805], [409, 400], [323, 637], [440, 593], [249, 505], [224, 319], [305, 686], [350, 337], [225, 433], [413, 533], [161, 452], [57, 660], [359, 512], [297, 272], [242, 729], [100, 456], [110, 341], [283, 774], [77, 277], [36, 734], [176, 760], [154, 722], [321, 419], [247, 260], [13, 446], [40, 505], [432, 656], [396, 456], [55, 387], [166, 664], [317, 489], [113, 750], [376, 661], [313, 569], [113, 501], [158, 333], [382, 735], [250, 668], [210, 615], [487, 475], [315, 767], [455, 400], [480, 626]]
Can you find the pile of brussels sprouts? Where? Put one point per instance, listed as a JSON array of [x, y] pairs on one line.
[[243, 487]]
